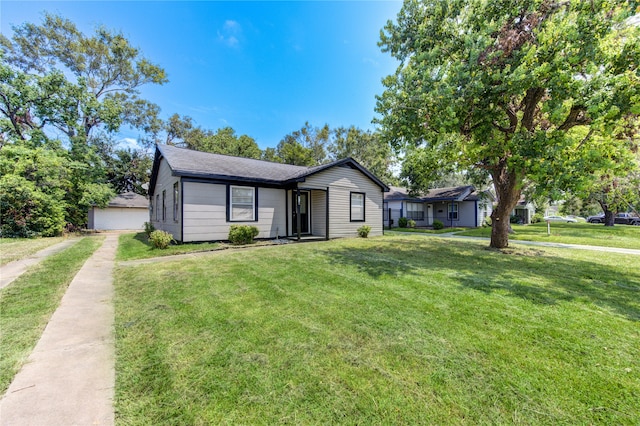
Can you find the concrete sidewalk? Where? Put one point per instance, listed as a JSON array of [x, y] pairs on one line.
[[69, 377], [12, 270]]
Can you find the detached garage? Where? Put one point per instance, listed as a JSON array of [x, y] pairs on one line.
[[126, 211]]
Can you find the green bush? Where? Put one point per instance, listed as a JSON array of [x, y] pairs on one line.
[[242, 234], [364, 230], [27, 211], [538, 217], [437, 224], [411, 223], [402, 222], [486, 223], [149, 228], [160, 239]]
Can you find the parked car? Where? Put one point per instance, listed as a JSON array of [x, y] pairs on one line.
[[620, 218], [560, 219]]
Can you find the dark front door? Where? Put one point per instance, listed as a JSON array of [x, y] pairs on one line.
[[304, 212]]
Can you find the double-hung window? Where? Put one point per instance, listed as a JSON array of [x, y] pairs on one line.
[[164, 205], [157, 205], [415, 211], [357, 206], [176, 202], [242, 203], [453, 211]]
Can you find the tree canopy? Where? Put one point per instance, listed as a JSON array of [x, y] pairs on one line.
[[516, 89]]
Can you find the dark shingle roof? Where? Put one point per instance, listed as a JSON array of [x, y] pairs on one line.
[[457, 193], [129, 199], [187, 162]]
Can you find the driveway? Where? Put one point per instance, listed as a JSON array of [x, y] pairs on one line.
[[69, 377]]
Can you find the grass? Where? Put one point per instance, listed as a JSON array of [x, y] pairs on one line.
[[136, 246], [623, 236], [27, 304], [390, 330], [18, 248], [426, 231]]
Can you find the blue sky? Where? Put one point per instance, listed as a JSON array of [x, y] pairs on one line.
[[262, 68]]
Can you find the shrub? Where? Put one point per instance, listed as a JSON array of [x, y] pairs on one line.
[[149, 228], [402, 222], [538, 217], [364, 230], [411, 223], [242, 234], [486, 222], [160, 239], [437, 224]]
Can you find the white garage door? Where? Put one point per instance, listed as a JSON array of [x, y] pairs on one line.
[[114, 218]]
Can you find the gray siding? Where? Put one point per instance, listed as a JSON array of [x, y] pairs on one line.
[[165, 182], [318, 213], [205, 212], [341, 181]]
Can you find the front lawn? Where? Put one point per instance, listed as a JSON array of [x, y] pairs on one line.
[[136, 246], [623, 236], [18, 248], [391, 330]]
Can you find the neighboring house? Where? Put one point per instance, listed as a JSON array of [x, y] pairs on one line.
[[125, 211], [524, 210], [197, 196], [457, 206]]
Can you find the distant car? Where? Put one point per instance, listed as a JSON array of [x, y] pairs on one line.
[[560, 219], [620, 219], [599, 218]]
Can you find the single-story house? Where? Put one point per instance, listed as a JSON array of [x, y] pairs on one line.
[[524, 210], [197, 196], [456, 206], [125, 211]]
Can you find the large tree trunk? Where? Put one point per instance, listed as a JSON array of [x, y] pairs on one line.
[[508, 193], [609, 218]]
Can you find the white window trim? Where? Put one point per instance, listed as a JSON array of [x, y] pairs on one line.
[[253, 204]]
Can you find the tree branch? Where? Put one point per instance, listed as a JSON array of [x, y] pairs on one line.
[[530, 105], [577, 116]]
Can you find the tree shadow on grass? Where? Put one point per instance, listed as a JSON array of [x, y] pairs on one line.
[[534, 275]]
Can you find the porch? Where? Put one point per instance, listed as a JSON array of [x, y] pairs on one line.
[[307, 214]]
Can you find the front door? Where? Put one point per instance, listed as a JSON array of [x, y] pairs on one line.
[[304, 212]]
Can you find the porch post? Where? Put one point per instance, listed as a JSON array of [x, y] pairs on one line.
[[298, 222], [326, 223]]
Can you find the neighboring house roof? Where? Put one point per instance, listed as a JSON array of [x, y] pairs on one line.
[[457, 193], [196, 164], [129, 199], [397, 193]]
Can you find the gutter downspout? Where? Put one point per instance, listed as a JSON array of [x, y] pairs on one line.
[[476, 203]]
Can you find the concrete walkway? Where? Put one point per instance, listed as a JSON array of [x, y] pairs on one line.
[[69, 377], [12, 270], [528, 243]]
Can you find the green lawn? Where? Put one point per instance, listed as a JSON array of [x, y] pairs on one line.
[[623, 236], [27, 304], [136, 246], [426, 231], [18, 248], [389, 330]]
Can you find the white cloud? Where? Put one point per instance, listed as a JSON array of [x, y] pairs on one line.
[[128, 143], [229, 33]]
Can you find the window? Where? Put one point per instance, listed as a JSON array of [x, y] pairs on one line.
[[357, 207], [176, 197], [164, 205], [453, 211], [242, 203], [157, 205], [415, 211]]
